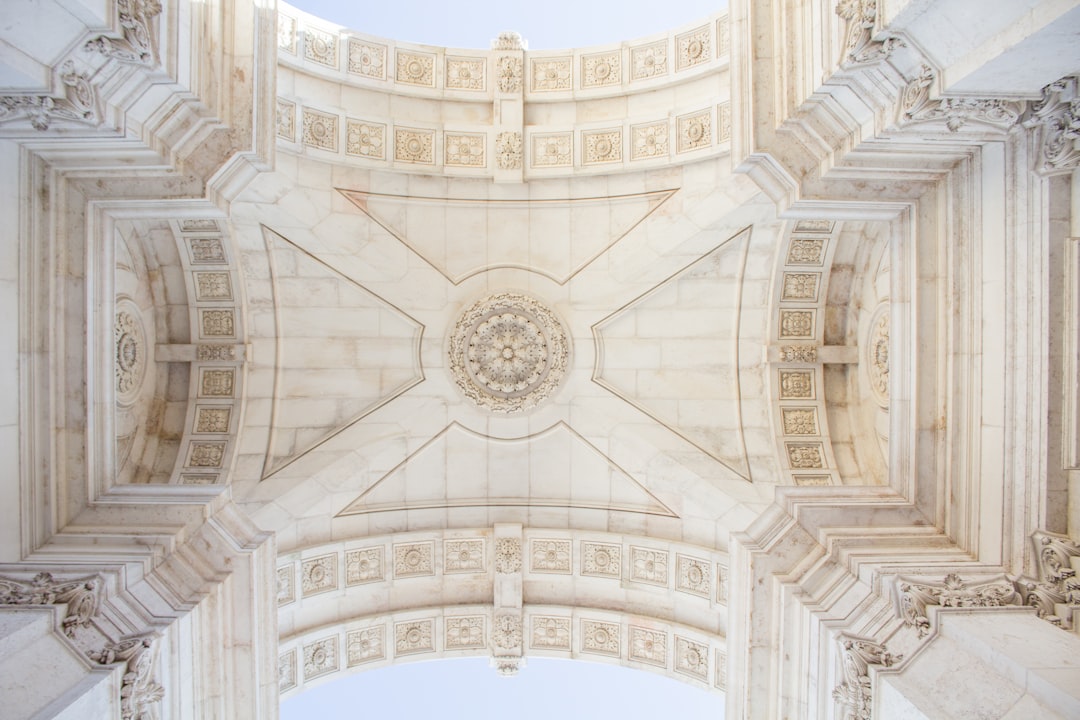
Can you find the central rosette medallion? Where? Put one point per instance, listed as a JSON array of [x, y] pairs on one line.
[[508, 352]]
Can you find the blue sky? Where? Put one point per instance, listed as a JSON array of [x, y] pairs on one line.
[[467, 689], [545, 24]]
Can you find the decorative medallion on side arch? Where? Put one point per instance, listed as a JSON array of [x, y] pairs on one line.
[[508, 353], [130, 343], [877, 355]]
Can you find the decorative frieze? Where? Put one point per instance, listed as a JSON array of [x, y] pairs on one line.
[[649, 61], [914, 596], [320, 130], [465, 632], [413, 559], [320, 657], [416, 636], [649, 141], [199, 225], [553, 150], [601, 69], [649, 566], [797, 384], [799, 421], [367, 59], [691, 658], [510, 74], [720, 679], [463, 556], [694, 131], [648, 646], [212, 286], [507, 633], [366, 645], [692, 575], [723, 122], [601, 559], [364, 566], [286, 585], [805, 456], [550, 556], [800, 286], [318, 575], [139, 691], [215, 352], [413, 145], [601, 638], [206, 251], [806, 251], [321, 47], [287, 678], [465, 150], [856, 656], [216, 383], [798, 353], [550, 633], [217, 323], [206, 454], [365, 139], [796, 324], [414, 68], [210, 419], [692, 48], [286, 33], [507, 555], [508, 150], [604, 146], [465, 73], [723, 37], [81, 595], [721, 583], [812, 480], [551, 74]]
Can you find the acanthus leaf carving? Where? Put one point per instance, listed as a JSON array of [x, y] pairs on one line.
[[79, 103], [917, 106], [136, 19], [915, 596], [1057, 589], [81, 595], [857, 654], [1056, 121], [139, 692], [860, 47]]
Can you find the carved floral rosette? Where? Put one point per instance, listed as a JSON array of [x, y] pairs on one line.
[[915, 595], [508, 353]]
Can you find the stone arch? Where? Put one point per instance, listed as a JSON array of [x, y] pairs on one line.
[[505, 592]]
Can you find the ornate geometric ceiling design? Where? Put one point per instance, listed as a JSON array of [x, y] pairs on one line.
[[694, 387], [554, 468], [554, 237]]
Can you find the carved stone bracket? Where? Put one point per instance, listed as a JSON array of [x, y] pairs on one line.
[[857, 654], [1057, 590], [1056, 121], [139, 692], [860, 18], [915, 596], [81, 595], [136, 19], [917, 106], [79, 103]]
